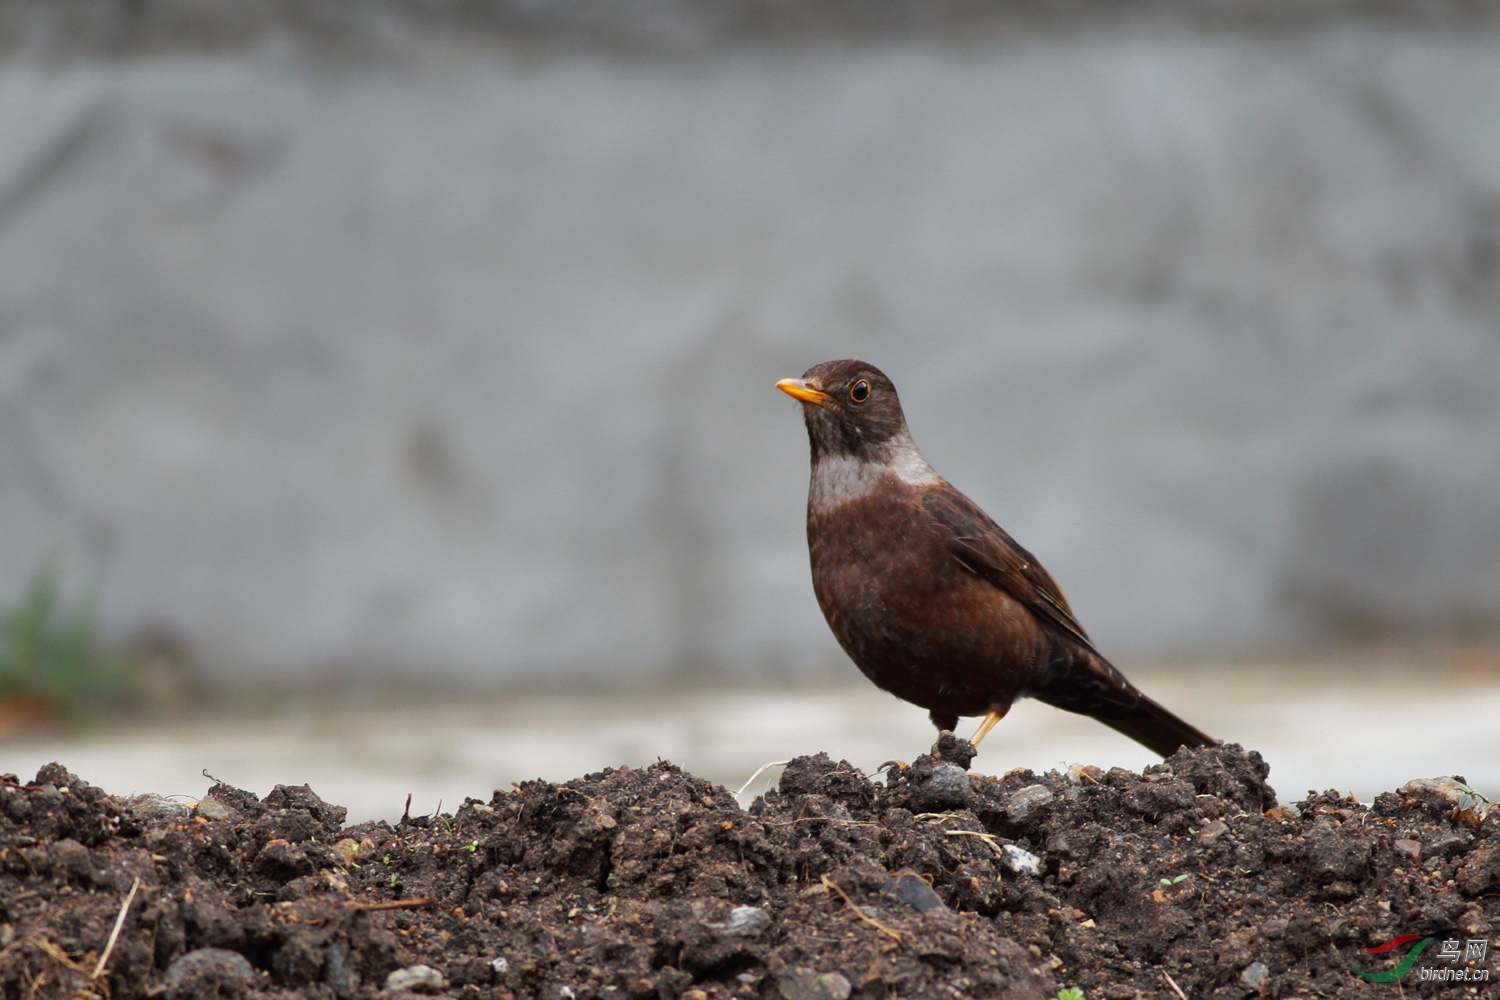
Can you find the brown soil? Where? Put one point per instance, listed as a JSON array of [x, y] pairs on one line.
[[1184, 881]]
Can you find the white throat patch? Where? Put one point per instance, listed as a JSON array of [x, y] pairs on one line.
[[839, 479]]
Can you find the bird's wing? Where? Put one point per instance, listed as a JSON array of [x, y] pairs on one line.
[[1086, 683], [983, 548]]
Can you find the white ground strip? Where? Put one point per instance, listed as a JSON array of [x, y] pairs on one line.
[[1318, 728]]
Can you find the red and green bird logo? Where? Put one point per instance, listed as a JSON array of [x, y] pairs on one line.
[[1391, 975]]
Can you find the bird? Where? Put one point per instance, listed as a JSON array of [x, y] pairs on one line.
[[931, 599]]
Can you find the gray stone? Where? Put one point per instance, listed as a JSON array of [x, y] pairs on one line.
[[913, 890], [746, 921], [1255, 975], [210, 972], [948, 788], [1023, 802], [338, 974]]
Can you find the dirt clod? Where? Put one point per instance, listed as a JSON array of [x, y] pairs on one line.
[[631, 884]]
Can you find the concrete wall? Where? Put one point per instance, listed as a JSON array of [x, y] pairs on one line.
[[457, 362]]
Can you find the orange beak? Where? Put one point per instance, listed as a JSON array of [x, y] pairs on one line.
[[799, 390]]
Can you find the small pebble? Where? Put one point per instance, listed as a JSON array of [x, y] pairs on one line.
[[1022, 861], [914, 891], [1255, 975], [1212, 831], [746, 921], [1027, 800], [805, 984], [210, 808], [1079, 773], [156, 807], [416, 978], [949, 787]]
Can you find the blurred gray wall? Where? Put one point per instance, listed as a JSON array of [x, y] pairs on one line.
[[450, 355]]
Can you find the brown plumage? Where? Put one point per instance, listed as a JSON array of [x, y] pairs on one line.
[[931, 599]]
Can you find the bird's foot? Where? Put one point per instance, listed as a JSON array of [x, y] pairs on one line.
[[985, 726]]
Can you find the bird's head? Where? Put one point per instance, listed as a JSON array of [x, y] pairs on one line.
[[851, 410]]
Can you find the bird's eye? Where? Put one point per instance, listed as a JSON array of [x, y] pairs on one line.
[[859, 391]]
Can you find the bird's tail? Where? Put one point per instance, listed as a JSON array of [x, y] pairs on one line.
[[1090, 685], [1153, 726]]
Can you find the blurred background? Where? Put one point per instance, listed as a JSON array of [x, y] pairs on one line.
[[386, 387]]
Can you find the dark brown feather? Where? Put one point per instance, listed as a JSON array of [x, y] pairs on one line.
[[1084, 682], [987, 550]]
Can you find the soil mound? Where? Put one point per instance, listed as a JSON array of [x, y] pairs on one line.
[[1187, 880]]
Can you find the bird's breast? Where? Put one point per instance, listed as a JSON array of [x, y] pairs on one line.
[[912, 618], [878, 571]]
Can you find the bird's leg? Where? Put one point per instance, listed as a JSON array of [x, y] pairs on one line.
[[993, 717]]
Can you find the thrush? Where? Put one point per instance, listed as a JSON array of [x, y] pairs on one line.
[[931, 599]]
